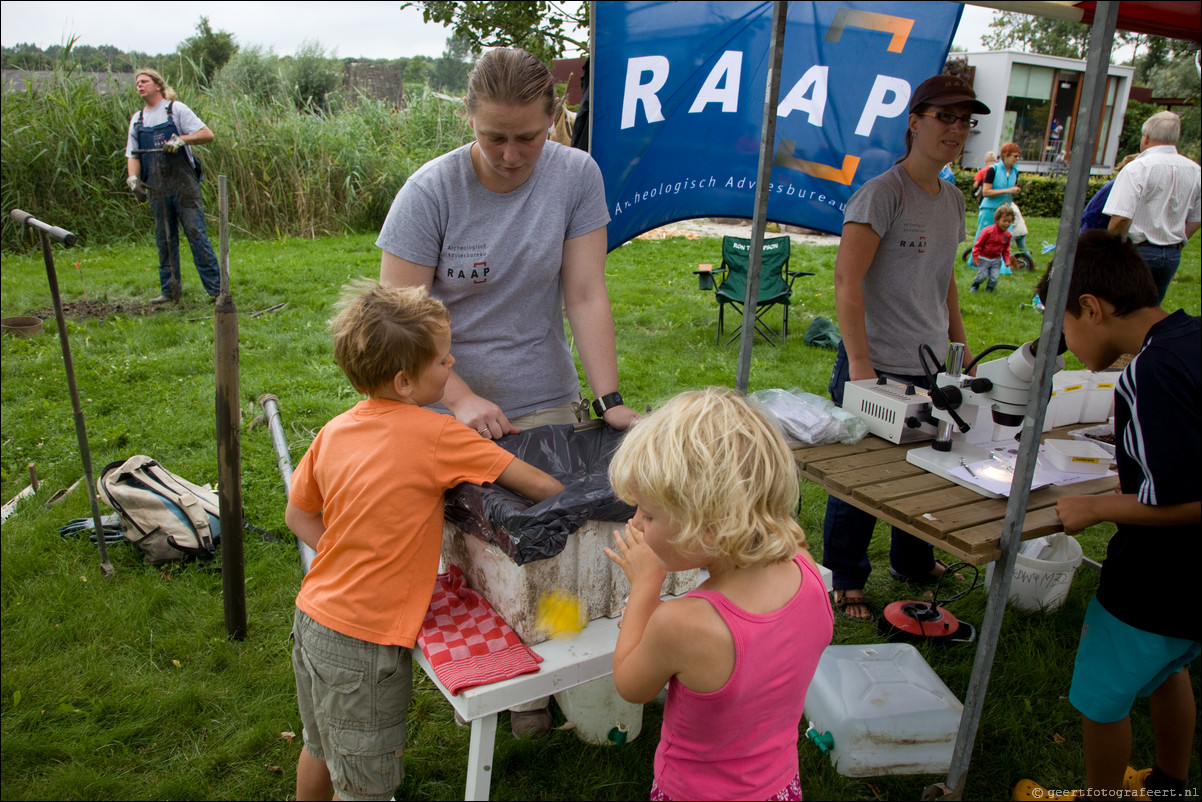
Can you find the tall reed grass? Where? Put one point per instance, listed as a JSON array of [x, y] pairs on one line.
[[289, 172], [62, 158]]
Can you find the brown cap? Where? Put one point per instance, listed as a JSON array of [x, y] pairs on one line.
[[946, 90]]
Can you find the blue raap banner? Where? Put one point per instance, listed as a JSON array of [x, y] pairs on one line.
[[679, 99]]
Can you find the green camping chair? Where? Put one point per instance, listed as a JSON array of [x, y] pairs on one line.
[[776, 283]]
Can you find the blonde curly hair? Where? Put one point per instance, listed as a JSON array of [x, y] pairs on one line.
[[722, 470]]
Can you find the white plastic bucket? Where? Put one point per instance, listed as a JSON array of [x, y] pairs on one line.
[[599, 714], [1043, 572]]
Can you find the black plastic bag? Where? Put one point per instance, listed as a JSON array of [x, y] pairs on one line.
[[525, 532]]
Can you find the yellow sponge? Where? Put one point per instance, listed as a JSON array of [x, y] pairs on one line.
[[560, 615]]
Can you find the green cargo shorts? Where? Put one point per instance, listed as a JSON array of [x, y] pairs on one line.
[[353, 698]]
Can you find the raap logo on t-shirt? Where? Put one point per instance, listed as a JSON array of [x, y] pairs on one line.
[[478, 274], [457, 257]]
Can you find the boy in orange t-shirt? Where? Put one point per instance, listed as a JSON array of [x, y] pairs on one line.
[[368, 498]]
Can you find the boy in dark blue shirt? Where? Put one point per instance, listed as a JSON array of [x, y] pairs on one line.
[[1142, 629]]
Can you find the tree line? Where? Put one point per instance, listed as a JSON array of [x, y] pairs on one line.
[[198, 61], [308, 149]]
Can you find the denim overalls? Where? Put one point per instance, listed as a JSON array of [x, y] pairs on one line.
[[174, 191]]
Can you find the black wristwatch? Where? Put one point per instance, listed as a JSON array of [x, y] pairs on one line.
[[607, 402]]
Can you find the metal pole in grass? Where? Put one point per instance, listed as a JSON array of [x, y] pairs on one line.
[[1097, 61], [271, 409], [48, 232], [229, 443], [759, 214]]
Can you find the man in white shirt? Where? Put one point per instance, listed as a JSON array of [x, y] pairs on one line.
[[1155, 201]]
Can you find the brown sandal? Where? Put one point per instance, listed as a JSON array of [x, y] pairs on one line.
[[843, 601]]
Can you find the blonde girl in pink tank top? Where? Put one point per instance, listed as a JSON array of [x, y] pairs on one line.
[[715, 487]]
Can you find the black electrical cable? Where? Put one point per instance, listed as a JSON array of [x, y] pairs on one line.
[[989, 350]]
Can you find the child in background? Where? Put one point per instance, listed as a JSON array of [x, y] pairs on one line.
[[715, 486], [1141, 629], [992, 248], [368, 498], [979, 178], [978, 191]]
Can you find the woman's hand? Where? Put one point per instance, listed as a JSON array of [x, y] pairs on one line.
[[1014, 190], [620, 417], [636, 559], [482, 415], [860, 369]]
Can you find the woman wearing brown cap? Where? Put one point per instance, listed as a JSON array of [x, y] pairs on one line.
[[895, 290]]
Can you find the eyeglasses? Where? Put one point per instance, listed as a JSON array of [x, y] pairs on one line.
[[947, 118]]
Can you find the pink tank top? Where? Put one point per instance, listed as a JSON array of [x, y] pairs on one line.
[[740, 741]]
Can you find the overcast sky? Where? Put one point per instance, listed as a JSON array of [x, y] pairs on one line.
[[346, 29]]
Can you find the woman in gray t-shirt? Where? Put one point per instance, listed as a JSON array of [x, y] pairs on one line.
[[509, 232], [895, 290]]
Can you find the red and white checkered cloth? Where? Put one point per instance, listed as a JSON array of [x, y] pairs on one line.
[[465, 640]]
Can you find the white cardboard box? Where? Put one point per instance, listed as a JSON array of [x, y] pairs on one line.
[[581, 569], [1099, 397]]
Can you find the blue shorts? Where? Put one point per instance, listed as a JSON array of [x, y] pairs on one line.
[[1118, 663]]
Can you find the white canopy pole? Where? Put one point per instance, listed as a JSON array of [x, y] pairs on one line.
[[1101, 40]]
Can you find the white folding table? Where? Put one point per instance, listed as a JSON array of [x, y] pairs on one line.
[[566, 664]]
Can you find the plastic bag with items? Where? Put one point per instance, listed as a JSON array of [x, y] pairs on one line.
[[810, 420], [527, 532]]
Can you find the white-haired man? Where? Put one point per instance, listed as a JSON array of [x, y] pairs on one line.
[[1156, 201]]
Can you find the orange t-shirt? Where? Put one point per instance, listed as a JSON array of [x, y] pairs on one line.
[[377, 474]]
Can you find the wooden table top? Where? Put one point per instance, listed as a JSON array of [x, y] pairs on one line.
[[874, 476]]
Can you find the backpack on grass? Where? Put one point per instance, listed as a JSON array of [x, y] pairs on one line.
[[166, 517]]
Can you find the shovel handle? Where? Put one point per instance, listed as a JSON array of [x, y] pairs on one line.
[[56, 233], [140, 151]]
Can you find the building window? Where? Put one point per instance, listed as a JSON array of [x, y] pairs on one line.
[[1041, 108], [1028, 109], [1099, 147], [1064, 109]]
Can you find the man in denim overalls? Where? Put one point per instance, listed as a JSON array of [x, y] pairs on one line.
[[169, 175]]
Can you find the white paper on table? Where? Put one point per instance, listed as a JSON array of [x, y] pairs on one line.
[[995, 475]]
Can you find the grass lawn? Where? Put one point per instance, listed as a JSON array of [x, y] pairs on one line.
[[129, 689]]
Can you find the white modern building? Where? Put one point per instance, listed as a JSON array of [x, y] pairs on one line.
[[1034, 100]]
